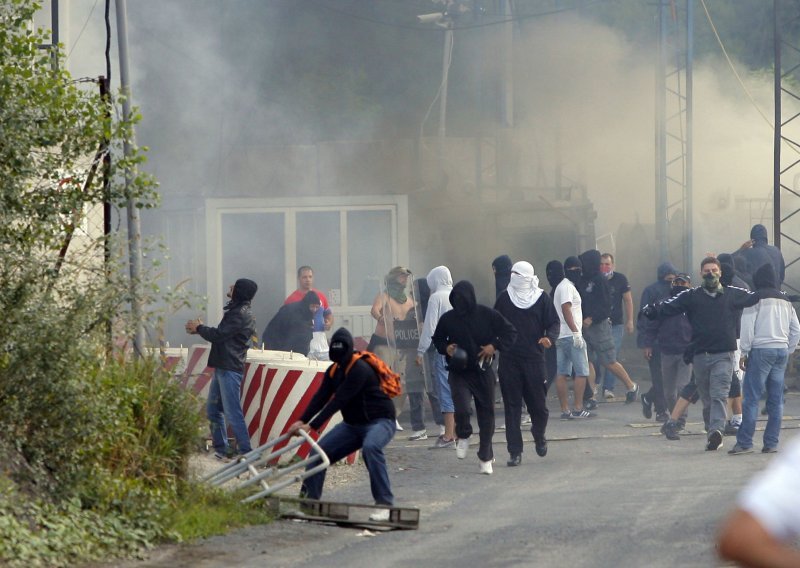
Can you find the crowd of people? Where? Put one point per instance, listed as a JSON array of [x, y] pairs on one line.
[[699, 342]]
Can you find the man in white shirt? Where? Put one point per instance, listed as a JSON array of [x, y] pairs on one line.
[[767, 519], [570, 346]]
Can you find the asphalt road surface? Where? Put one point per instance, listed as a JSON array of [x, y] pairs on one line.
[[611, 492]]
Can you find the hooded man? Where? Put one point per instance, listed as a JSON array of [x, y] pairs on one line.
[[368, 421], [229, 343], [441, 284], [770, 332], [522, 366], [758, 252], [713, 312], [594, 291], [501, 267], [469, 335], [647, 340], [291, 329]]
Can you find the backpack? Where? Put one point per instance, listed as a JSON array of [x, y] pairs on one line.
[[389, 380]]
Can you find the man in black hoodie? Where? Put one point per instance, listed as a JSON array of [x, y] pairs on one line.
[[713, 312], [291, 329], [501, 268], [469, 335], [368, 421], [758, 252], [596, 298], [647, 341], [229, 343]]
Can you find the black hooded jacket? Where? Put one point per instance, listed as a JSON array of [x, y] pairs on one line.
[[593, 288], [357, 392], [232, 337], [291, 329], [763, 253], [502, 273], [659, 290], [471, 325]]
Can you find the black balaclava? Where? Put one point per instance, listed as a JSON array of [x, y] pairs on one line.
[[573, 269], [555, 273], [462, 298], [502, 273], [424, 294], [759, 234], [590, 263], [765, 278], [244, 290], [341, 348], [727, 274]]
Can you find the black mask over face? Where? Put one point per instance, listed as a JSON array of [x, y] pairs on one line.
[[574, 275], [341, 348]]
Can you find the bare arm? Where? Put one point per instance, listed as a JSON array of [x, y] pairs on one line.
[[745, 541], [627, 300], [566, 309]]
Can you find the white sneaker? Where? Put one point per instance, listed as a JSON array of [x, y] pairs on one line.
[[526, 420], [397, 426], [418, 435], [486, 467], [380, 515], [441, 430], [461, 448], [608, 394]]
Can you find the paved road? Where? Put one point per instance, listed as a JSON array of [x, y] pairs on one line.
[[610, 493]]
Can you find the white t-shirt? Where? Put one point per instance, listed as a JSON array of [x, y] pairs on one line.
[[773, 496], [566, 292]]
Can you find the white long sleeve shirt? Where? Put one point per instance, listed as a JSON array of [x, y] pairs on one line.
[[441, 284]]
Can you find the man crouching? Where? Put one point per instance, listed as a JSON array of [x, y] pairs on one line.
[[368, 421]]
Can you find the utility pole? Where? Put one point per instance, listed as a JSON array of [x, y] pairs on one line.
[[447, 57], [134, 225]]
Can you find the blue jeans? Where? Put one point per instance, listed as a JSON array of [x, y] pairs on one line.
[[440, 378], [605, 377], [343, 440], [224, 404], [765, 369]]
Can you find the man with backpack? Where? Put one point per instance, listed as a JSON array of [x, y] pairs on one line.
[[353, 386]]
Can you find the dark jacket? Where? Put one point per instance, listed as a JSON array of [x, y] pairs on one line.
[[291, 329], [532, 324], [232, 337], [593, 288], [763, 253], [672, 334], [714, 318], [357, 393], [471, 325], [654, 293]]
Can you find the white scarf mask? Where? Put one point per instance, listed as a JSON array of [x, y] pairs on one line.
[[524, 286]]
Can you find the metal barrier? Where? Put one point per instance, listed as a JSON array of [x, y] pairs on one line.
[[262, 456]]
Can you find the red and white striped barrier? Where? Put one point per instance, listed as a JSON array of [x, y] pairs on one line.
[[276, 389]]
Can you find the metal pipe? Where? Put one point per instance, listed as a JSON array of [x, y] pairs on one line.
[[688, 244], [134, 225], [776, 139]]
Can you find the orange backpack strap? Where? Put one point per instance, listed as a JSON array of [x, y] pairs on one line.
[[356, 356]]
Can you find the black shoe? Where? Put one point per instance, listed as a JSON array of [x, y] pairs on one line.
[[541, 448], [647, 407], [662, 416], [731, 429], [590, 404], [515, 460], [714, 441], [670, 430]]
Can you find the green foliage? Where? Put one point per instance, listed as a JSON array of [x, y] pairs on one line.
[[202, 512], [92, 446]]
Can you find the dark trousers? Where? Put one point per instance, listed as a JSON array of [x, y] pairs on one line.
[[523, 379], [656, 392], [480, 387], [415, 401]]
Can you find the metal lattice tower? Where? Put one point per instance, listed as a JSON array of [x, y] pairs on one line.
[[673, 144], [786, 173]]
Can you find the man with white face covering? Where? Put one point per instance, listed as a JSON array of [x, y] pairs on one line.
[[522, 367]]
